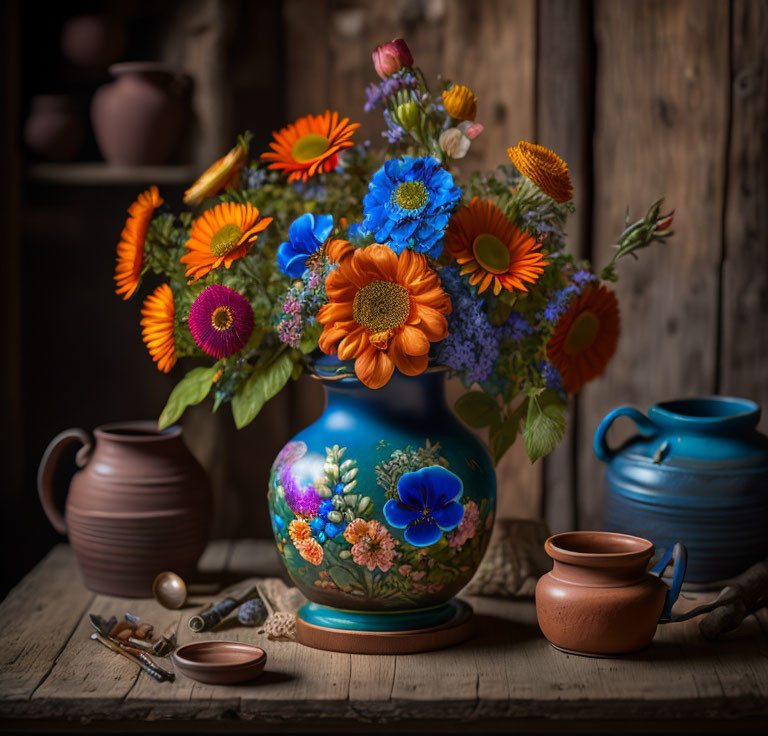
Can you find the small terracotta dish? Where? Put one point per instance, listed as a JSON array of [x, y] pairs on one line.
[[220, 662]]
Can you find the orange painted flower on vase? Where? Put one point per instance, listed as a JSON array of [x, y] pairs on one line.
[[310, 145], [585, 338], [383, 311], [130, 249], [492, 250], [220, 236], [544, 168], [157, 327]]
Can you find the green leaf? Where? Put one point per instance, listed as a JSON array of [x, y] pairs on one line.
[[309, 338], [190, 390], [342, 577], [544, 424], [263, 384], [478, 409], [503, 436]]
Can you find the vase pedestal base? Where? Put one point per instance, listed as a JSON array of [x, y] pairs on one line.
[[391, 632]]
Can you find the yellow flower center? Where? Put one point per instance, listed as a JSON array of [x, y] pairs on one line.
[[222, 319], [309, 146], [225, 239], [411, 195], [381, 306], [491, 253], [582, 333]]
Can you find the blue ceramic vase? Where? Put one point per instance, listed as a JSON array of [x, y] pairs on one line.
[[697, 472], [384, 504]]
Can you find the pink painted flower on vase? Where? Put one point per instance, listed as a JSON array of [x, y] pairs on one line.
[[467, 527], [372, 545]]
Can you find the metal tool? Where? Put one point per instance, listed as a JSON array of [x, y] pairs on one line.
[[103, 627], [211, 617], [138, 658]]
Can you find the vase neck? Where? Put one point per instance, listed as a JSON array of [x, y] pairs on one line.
[[421, 396]]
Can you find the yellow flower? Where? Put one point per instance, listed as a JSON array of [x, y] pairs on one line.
[[218, 177], [544, 168], [460, 102]]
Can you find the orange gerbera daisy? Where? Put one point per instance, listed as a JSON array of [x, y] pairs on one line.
[[220, 236], [585, 337], [310, 145], [218, 177], [383, 310], [490, 247], [158, 324], [130, 249], [544, 168]]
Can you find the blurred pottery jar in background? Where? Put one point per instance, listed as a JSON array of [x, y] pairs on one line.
[[138, 117], [93, 41], [54, 130]]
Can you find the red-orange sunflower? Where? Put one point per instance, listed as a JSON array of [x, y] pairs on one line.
[[220, 236], [130, 249], [585, 337], [383, 311], [310, 145], [157, 324], [492, 249]]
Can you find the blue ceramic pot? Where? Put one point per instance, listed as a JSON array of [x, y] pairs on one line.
[[386, 502], [696, 472]]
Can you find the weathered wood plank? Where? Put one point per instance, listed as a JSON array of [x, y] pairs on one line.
[[88, 679], [564, 119], [39, 616], [744, 343], [660, 128]]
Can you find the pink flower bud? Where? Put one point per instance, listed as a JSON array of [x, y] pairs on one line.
[[391, 57], [665, 223]]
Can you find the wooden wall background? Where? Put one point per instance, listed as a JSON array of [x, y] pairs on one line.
[[641, 97]]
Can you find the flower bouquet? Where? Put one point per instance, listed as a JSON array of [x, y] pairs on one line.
[[379, 256]]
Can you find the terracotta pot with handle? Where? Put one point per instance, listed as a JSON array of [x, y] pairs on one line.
[[141, 504]]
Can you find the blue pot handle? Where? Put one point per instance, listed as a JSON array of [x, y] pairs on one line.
[[645, 426], [678, 555]]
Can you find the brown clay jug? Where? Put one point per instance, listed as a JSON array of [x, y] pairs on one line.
[[141, 504], [600, 599], [137, 118]]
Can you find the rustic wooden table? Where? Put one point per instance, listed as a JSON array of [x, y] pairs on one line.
[[53, 677]]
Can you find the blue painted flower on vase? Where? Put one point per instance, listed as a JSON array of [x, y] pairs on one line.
[[305, 236], [409, 203], [428, 505]]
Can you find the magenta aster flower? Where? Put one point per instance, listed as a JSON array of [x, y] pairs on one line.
[[221, 321]]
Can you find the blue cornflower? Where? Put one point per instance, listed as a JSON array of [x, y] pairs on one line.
[[306, 234], [427, 505], [409, 203]]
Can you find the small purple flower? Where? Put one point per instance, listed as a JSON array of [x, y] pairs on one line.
[[394, 132], [517, 327], [559, 302], [551, 376], [221, 321], [303, 502]]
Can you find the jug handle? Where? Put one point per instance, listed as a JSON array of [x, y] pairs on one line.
[[677, 554], [48, 467], [645, 426]]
